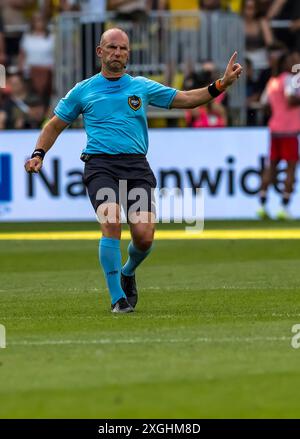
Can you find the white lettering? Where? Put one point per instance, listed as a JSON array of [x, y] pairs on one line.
[[2, 337], [296, 339]]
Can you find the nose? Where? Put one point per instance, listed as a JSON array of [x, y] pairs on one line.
[[118, 51]]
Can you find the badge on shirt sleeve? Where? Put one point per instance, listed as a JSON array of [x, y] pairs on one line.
[[134, 102]]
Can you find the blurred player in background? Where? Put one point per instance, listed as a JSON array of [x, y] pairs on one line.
[[283, 97], [113, 105]]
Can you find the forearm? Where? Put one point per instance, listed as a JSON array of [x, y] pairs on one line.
[[2, 46], [195, 98], [47, 138], [267, 32], [50, 133], [200, 96], [275, 8], [45, 141]]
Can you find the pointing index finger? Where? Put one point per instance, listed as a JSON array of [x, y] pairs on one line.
[[233, 58]]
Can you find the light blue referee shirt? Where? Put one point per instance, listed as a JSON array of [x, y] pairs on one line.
[[114, 112]]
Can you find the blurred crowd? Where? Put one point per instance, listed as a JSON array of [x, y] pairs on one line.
[[27, 49]]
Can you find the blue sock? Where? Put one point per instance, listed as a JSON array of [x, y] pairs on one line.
[[110, 259], [135, 257]]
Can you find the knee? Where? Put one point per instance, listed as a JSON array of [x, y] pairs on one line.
[[144, 241], [111, 230], [109, 218]]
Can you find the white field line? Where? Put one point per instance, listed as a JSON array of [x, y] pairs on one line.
[[142, 317], [196, 340], [195, 287]]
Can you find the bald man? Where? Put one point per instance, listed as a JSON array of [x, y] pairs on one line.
[[113, 105]]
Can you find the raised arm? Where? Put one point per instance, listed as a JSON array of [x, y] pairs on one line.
[[275, 8], [48, 136], [200, 96], [267, 32]]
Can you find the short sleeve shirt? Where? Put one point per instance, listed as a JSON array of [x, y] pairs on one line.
[[114, 112]]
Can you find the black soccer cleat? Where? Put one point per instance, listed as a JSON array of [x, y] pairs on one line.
[[128, 285], [121, 306]]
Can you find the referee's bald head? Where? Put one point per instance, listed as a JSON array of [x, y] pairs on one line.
[[113, 52], [112, 33]]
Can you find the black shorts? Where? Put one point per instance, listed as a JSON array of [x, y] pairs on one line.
[[125, 179]]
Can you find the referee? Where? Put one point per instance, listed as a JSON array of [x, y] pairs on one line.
[[113, 105]]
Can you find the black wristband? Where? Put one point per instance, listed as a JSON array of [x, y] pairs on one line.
[[38, 153], [213, 91]]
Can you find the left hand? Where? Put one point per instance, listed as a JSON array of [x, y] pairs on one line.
[[33, 165], [233, 71]]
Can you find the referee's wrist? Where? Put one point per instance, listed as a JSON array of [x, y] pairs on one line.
[[217, 88], [40, 153], [220, 84]]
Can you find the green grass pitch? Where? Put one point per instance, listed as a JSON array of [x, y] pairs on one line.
[[211, 336]]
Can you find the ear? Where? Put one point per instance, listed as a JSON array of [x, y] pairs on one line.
[[99, 51]]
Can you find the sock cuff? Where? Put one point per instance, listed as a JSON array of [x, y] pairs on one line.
[[109, 242], [138, 251]]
